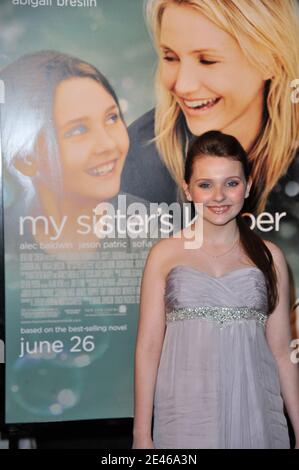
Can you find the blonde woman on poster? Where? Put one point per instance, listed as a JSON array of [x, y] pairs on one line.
[[213, 345], [223, 66]]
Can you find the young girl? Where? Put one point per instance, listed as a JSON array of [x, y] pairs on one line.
[[212, 351], [64, 139]]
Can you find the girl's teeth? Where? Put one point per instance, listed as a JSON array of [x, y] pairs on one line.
[[220, 210], [200, 103], [101, 171]]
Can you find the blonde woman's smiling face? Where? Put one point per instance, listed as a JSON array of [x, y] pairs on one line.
[[92, 139], [208, 74]]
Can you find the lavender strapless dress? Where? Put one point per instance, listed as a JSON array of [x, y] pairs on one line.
[[217, 385]]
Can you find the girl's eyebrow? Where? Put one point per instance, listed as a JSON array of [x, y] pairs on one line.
[[111, 108], [195, 51], [212, 179], [74, 121], [85, 118]]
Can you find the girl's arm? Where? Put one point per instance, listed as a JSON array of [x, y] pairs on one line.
[[278, 332], [150, 336]]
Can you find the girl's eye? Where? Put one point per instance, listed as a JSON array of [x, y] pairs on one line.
[[204, 185], [233, 184], [207, 62], [169, 58], [112, 118], [78, 130]]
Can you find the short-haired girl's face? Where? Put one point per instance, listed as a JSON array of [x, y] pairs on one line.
[[92, 138], [209, 76], [219, 184]]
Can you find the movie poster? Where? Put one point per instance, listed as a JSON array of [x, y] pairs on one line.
[[74, 75], [71, 281]]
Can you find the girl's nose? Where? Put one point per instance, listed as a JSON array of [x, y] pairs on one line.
[[104, 142], [187, 80], [219, 194]]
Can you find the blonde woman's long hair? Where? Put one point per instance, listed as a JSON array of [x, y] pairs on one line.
[[272, 28]]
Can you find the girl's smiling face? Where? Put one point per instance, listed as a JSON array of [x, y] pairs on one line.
[[209, 76], [92, 139], [219, 184]]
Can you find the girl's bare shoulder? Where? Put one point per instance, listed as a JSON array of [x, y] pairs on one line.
[[278, 258], [163, 253], [275, 251]]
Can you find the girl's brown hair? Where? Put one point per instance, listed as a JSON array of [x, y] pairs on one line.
[[217, 144]]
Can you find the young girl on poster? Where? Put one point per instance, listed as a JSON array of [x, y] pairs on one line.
[[64, 141], [213, 345], [229, 66]]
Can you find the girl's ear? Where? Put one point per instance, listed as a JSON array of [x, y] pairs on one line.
[[186, 191], [248, 186], [27, 166]]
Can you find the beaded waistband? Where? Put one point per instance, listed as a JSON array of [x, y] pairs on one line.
[[221, 315]]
